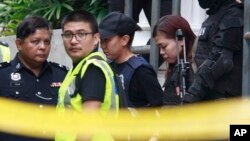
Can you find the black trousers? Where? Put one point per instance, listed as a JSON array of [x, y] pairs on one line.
[[138, 5]]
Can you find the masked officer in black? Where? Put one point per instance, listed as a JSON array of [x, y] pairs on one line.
[[219, 52], [29, 77]]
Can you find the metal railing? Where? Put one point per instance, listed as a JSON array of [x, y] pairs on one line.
[[155, 15], [246, 51]]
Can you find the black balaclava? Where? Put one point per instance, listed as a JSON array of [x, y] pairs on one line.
[[206, 3], [212, 5]]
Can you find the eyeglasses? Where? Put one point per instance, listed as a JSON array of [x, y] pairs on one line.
[[79, 35]]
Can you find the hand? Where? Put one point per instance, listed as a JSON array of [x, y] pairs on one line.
[[177, 90], [239, 1], [190, 98], [195, 93]]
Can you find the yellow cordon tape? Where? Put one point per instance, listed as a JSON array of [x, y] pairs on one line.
[[203, 121]]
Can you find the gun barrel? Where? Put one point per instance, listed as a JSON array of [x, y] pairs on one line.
[[182, 62]]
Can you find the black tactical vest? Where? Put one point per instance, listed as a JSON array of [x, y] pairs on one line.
[[229, 84], [126, 71]]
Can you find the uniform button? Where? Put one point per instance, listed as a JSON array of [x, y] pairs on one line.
[[39, 93], [37, 80], [17, 92], [40, 106]]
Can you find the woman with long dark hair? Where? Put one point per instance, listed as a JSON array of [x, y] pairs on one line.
[[164, 34]]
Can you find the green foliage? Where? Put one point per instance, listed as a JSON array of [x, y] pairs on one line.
[[96, 7], [12, 12]]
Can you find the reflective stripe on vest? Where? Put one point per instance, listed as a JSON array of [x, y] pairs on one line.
[[110, 88], [68, 86], [4, 54]]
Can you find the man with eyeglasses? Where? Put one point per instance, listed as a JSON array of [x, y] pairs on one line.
[[89, 85]]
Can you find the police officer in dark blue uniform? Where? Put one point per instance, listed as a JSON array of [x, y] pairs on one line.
[[219, 52], [29, 76]]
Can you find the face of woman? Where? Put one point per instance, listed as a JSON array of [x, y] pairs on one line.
[[167, 47], [112, 47], [115, 47]]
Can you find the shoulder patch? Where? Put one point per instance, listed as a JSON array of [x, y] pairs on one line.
[[137, 61], [4, 44], [4, 64], [231, 22], [59, 66]]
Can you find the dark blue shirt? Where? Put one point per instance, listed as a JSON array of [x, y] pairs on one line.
[[22, 84], [19, 83]]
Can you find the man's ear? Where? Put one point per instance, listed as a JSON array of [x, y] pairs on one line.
[[96, 38], [19, 44], [125, 40]]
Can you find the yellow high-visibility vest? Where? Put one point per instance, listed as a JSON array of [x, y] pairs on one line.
[[111, 99]]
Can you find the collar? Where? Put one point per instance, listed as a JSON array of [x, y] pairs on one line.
[[95, 50], [18, 65]]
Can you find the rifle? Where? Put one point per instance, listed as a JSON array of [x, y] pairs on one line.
[[182, 65]]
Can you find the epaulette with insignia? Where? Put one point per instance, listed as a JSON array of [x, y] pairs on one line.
[[4, 44], [4, 64], [59, 65]]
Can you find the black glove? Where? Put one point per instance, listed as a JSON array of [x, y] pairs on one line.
[[196, 92], [190, 98]]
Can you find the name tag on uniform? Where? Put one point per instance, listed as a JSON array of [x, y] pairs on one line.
[[16, 84], [55, 84]]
